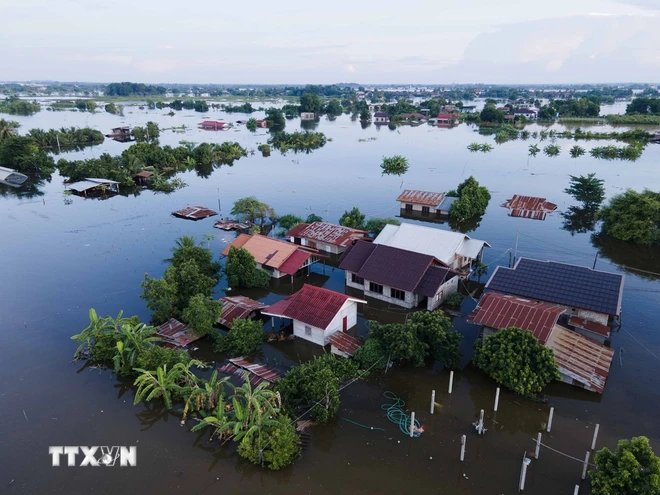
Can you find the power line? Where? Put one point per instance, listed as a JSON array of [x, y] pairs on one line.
[[581, 461], [635, 339]]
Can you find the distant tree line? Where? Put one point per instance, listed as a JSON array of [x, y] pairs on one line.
[[133, 89]]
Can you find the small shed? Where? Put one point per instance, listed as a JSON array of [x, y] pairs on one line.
[[143, 177], [325, 236], [307, 115], [194, 213], [120, 134], [258, 373], [317, 313], [343, 344], [381, 118], [94, 186], [176, 334], [238, 308], [213, 125]]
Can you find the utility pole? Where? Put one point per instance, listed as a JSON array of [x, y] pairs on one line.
[[515, 253], [57, 136]]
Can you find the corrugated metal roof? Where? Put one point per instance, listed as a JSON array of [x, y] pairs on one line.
[[441, 244], [531, 214], [145, 174], [528, 207], [194, 212], [311, 305], [84, 185], [294, 262], [176, 333], [580, 358], [344, 342], [591, 326], [421, 197], [238, 307], [265, 250], [12, 177], [447, 201], [561, 283], [499, 311], [258, 372], [329, 233]]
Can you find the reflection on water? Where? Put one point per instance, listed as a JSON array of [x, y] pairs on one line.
[[579, 220], [642, 261]]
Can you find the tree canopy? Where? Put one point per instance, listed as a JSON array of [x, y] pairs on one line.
[[353, 219], [251, 209], [473, 200], [375, 225], [243, 339], [632, 469], [514, 358], [133, 89], [588, 190], [241, 270], [310, 102], [490, 113], [633, 216]]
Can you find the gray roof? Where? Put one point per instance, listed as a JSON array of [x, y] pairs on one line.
[[561, 283], [446, 203], [11, 177]]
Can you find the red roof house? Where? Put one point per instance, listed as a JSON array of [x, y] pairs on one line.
[[317, 313], [529, 207], [325, 236]]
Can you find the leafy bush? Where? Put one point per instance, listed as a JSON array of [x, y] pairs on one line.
[[394, 165], [353, 219], [156, 356], [375, 225], [454, 301], [289, 221], [473, 200], [297, 141], [281, 443], [202, 314], [633, 216], [241, 270], [369, 354], [243, 339]]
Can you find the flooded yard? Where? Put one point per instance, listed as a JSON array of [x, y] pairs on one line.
[[62, 255]]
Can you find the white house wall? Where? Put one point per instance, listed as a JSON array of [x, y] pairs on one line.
[[320, 336], [416, 207], [410, 301], [449, 287], [317, 333]]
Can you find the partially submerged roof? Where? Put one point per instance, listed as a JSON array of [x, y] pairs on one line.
[[258, 372], [398, 268], [447, 201], [176, 333], [441, 244], [238, 308], [145, 174], [529, 207], [421, 197], [344, 342], [194, 212], [85, 185], [11, 177], [591, 326], [328, 233], [312, 305], [580, 358], [499, 311], [561, 283], [273, 253]]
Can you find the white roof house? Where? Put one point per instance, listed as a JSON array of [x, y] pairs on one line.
[[454, 249]]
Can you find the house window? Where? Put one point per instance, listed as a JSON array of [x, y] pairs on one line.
[[375, 288], [308, 331], [357, 280], [425, 211], [397, 294], [409, 208]]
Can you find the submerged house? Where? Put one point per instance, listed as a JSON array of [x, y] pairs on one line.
[[426, 204], [307, 115], [94, 186], [528, 207], [397, 276], [278, 258], [453, 249], [317, 313], [120, 134], [213, 125], [591, 298], [194, 212], [11, 178], [381, 118], [325, 236], [528, 113], [581, 361], [239, 308]]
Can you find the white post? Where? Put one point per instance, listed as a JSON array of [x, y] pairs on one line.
[[577, 489], [523, 474], [432, 401], [463, 440], [593, 442], [538, 446], [451, 380], [412, 424], [586, 465], [552, 412], [497, 398], [481, 417]]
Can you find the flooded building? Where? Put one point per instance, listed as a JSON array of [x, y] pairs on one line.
[[121, 134], [194, 212], [11, 178], [529, 207], [239, 308], [426, 204], [397, 276], [317, 313], [381, 118], [214, 125], [91, 186], [591, 298], [453, 249], [325, 236], [307, 115]]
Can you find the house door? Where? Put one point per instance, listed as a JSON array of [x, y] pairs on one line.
[[345, 324]]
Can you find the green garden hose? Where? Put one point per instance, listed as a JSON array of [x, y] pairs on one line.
[[397, 415]]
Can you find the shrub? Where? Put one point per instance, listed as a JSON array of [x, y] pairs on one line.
[[280, 441], [454, 300], [243, 339]]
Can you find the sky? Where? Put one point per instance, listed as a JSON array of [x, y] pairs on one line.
[[307, 42]]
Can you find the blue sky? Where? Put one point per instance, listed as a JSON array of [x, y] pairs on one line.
[[258, 41]]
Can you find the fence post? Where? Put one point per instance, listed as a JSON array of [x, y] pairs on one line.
[[523, 472], [463, 441], [451, 380], [577, 489], [497, 398], [432, 401], [586, 465], [552, 412], [593, 442], [412, 424], [538, 445]]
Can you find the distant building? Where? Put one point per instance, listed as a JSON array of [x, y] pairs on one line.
[[317, 313], [262, 123], [307, 115], [468, 108], [213, 125], [120, 134], [325, 236], [12, 178], [381, 118], [446, 118], [528, 113]]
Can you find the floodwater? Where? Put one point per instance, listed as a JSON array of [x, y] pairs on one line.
[[60, 258]]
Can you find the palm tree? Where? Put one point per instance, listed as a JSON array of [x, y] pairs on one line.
[[8, 128]]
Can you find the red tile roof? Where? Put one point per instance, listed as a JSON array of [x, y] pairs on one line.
[[312, 305], [421, 197], [344, 342], [238, 307], [294, 262], [194, 212], [499, 311], [328, 233], [580, 358]]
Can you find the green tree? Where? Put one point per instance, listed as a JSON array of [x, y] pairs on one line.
[[241, 270], [514, 358], [243, 339], [394, 165], [161, 298], [163, 383], [205, 395], [289, 221], [365, 115], [589, 190], [490, 113], [354, 219], [473, 200], [375, 225], [334, 107], [310, 102], [633, 216], [132, 341], [279, 445], [275, 118], [312, 217], [202, 314], [251, 124], [633, 469], [23, 154], [8, 128], [534, 149], [250, 209]]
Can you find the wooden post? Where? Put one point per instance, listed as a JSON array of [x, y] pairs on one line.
[[586, 465], [497, 398], [412, 424], [523, 472], [432, 401], [552, 412], [593, 442], [538, 446], [463, 441], [451, 380]]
